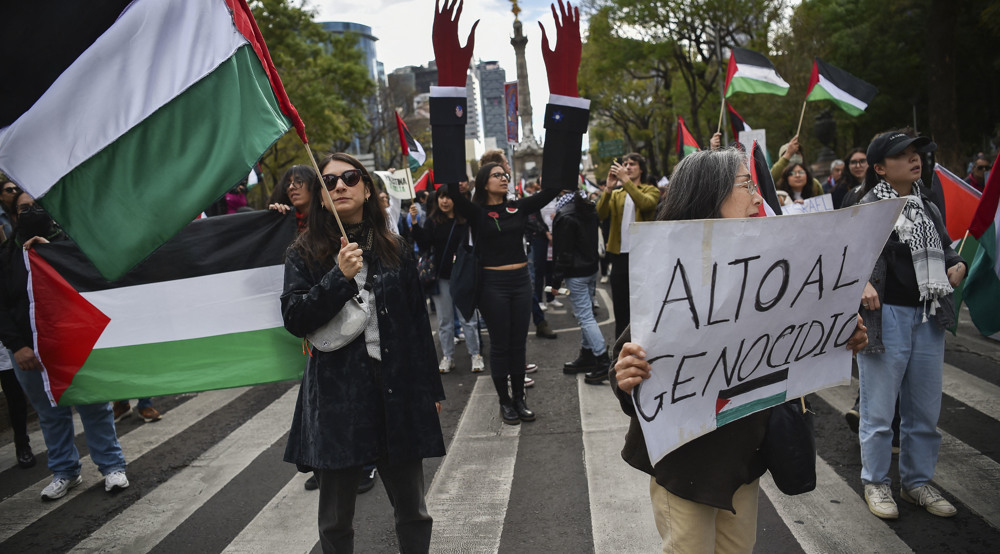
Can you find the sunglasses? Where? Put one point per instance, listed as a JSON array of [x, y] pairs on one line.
[[500, 176], [978, 168], [10, 189], [350, 178]]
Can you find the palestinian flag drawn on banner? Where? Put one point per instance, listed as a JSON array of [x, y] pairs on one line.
[[752, 73], [413, 153], [201, 313], [685, 142], [153, 108], [982, 286], [750, 396], [760, 172], [845, 90], [960, 201], [736, 123]]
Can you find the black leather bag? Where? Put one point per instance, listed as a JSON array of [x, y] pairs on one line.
[[464, 282], [790, 447]]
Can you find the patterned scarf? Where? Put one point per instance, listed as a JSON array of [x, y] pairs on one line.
[[918, 232], [361, 233]]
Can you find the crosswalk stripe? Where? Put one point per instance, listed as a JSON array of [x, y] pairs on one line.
[[8, 453], [150, 519], [832, 518], [962, 471], [972, 391], [283, 524], [621, 514], [26, 506], [469, 493]]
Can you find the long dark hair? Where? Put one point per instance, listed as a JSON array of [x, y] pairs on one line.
[[435, 214], [302, 172], [480, 197], [807, 190], [320, 245], [847, 179], [700, 184]]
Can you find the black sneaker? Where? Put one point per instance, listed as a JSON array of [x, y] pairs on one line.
[[367, 481], [311, 483], [25, 458]]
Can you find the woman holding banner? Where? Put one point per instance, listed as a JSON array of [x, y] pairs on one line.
[[704, 493], [378, 397]]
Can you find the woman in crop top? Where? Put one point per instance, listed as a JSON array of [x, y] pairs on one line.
[[505, 287]]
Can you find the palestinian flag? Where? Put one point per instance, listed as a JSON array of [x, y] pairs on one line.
[[200, 313], [685, 142], [760, 172], [845, 90], [425, 182], [413, 153], [125, 119], [982, 286], [736, 123], [960, 201], [752, 73]]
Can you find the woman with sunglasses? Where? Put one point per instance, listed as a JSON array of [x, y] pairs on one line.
[[797, 181], [704, 493], [377, 398], [292, 192]]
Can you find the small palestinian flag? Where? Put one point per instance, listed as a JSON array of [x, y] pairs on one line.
[[752, 73], [960, 201], [760, 172], [201, 313], [685, 142], [845, 90], [125, 119], [736, 123], [750, 396], [413, 153]]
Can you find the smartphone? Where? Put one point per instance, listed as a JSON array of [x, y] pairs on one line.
[[617, 161]]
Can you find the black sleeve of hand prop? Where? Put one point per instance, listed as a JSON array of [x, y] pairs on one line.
[[564, 129], [448, 117]]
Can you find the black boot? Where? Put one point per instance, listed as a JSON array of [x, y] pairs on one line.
[[583, 363], [507, 412], [602, 365], [520, 406], [543, 331]]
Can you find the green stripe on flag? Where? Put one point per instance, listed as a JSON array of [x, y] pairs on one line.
[[134, 195], [754, 86], [982, 286], [727, 416], [161, 368], [820, 93], [688, 149]]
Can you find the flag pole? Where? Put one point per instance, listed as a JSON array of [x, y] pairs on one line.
[[962, 245], [803, 114], [327, 201], [409, 181], [722, 111]]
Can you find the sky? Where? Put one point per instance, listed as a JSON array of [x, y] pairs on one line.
[[403, 29]]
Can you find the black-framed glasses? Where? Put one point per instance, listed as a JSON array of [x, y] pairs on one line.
[[798, 173], [748, 184], [861, 161], [297, 183], [504, 176], [978, 168], [350, 178]]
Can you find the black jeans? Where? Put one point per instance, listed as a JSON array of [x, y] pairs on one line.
[[505, 302], [404, 484], [17, 406], [619, 291]]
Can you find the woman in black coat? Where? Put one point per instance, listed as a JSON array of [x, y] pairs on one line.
[[378, 397]]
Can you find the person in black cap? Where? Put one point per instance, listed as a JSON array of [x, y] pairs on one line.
[[907, 305]]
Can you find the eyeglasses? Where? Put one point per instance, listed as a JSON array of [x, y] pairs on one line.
[[503, 176], [859, 162], [297, 183], [10, 189], [350, 178], [748, 184], [798, 173]]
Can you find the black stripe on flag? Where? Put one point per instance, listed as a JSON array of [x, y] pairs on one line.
[[749, 57], [858, 88], [764, 180], [754, 384], [41, 40], [204, 247]]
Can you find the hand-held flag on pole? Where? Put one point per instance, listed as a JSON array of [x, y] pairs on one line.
[[162, 108], [685, 142], [752, 73], [960, 201], [761, 174], [848, 92], [737, 123], [413, 153], [982, 286]]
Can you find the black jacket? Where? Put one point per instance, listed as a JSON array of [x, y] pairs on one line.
[[574, 239], [351, 410], [441, 240]]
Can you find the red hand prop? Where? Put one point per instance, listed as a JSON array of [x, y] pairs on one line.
[[563, 63], [452, 59]]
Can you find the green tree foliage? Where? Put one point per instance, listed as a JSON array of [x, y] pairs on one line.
[[325, 78]]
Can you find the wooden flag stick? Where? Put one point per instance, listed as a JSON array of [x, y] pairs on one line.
[[409, 182], [327, 201], [803, 114], [961, 246], [722, 111]]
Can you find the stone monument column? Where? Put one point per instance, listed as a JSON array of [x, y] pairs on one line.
[[527, 158]]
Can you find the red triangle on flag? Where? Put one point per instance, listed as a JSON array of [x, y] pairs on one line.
[[720, 403], [960, 201], [66, 325]]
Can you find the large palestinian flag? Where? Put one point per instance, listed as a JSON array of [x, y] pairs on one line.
[[982, 286], [685, 141], [752, 73], [845, 90], [126, 119], [201, 313]]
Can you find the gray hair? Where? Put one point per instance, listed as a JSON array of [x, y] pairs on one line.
[[835, 164], [701, 182]]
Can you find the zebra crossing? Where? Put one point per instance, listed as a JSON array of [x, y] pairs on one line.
[[470, 490]]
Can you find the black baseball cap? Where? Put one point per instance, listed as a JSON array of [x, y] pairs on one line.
[[892, 143]]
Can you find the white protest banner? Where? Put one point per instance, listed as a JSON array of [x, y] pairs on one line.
[[735, 317], [823, 203], [395, 183], [746, 138]]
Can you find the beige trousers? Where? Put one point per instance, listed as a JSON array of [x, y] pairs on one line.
[[690, 527]]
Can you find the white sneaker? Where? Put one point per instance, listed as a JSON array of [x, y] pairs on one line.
[[59, 487], [595, 303], [478, 364], [604, 279], [446, 365], [929, 497], [542, 306], [556, 303], [115, 480], [528, 382], [530, 367], [880, 502]]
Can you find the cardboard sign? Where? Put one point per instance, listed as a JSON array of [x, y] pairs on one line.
[[396, 184], [823, 203], [746, 138], [736, 317]]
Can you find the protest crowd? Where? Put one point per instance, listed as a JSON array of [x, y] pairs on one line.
[[486, 259]]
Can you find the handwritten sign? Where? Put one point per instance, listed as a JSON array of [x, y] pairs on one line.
[[396, 184], [822, 203], [737, 315]]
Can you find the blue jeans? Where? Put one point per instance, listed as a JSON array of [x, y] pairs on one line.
[[144, 403], [911, 367], [57, 428], [581, 294], [446, 326]]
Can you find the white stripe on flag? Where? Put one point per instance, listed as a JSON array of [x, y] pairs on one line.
[[839, 94], [219, 304], [756, 394], [759, 73], [152, 53]]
